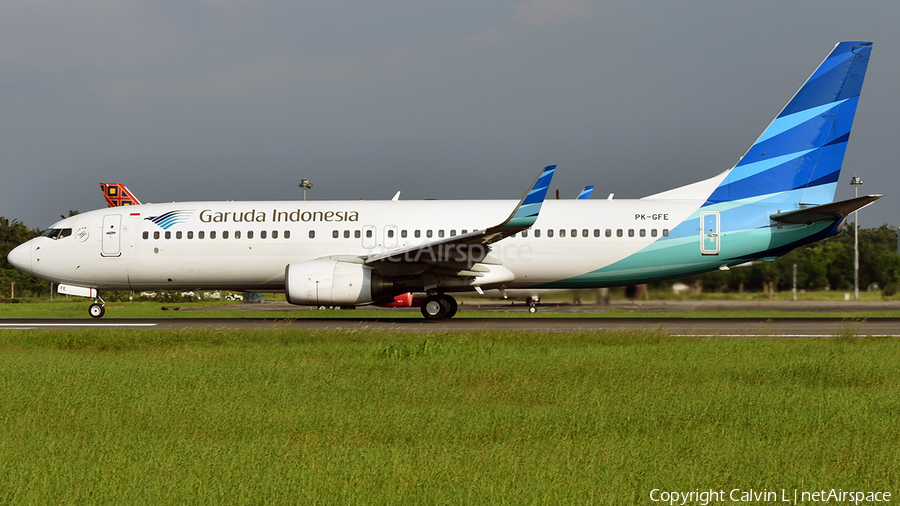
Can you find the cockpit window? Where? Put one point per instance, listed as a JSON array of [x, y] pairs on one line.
[[57, 233]]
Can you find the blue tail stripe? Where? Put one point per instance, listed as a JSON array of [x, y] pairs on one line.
[[751, 169], [817, 131], [831, 62], [793, 174], [843, 80], [842, 139], [799, 156], [784, 123]]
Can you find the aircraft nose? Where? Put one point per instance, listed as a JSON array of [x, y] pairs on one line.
[[20, 257]]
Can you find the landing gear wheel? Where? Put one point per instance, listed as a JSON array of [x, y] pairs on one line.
[[532, 306], [454, 307], [96, 310], [532, 309], [435, 307]]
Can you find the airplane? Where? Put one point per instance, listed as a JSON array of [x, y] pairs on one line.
[[117, 194], [778, 196]]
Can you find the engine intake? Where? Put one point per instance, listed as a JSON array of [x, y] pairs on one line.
[[327, 282]]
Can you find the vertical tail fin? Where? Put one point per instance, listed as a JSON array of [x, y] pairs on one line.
[[117, 194], [797, 160]]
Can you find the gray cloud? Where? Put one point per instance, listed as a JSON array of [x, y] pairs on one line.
[[239, 100]]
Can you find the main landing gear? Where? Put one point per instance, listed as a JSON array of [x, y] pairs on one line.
[[439, 306]]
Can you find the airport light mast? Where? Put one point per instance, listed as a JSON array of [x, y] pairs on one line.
[[855, 181], [306, 185]]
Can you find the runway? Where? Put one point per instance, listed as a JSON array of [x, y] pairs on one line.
[[712, 327]]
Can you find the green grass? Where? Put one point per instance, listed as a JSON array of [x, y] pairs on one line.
[[145, 309], [298, 417]]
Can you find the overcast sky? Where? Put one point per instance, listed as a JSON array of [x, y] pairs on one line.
[[239, 100]]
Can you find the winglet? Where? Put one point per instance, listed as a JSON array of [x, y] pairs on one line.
[[526, 212], [117, 194], [586, 193]]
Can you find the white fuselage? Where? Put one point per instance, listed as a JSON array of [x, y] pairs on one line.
[[246, 245]]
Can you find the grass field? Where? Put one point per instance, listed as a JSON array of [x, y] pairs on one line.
[[146, 309], [298, 417]]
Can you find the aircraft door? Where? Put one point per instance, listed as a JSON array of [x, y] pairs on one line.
[[368, 236], [709, 234], [390, 236], [110, 242]]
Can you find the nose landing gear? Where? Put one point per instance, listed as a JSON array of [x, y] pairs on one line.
[[98, 308]]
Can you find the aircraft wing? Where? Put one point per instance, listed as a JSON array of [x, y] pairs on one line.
[[825, 212], [460, 254]]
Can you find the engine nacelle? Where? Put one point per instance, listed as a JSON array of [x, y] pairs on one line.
[[328, 282]]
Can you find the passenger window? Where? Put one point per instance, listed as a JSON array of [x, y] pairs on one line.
[[368, 234], [452, 232], [608, 232], [356, 234], [146, 234], [201, 234], [665, 232], [237, 234], [596, 232], [156, 235], [335, 234], [524, 233], [287, 234], [390, 233], [562, 232], [274, 234], [464, 231], [574, 233], [224, 234], [549, 232], [312, 234], [584, 233], [262, 234], [178, 234], [440, 233], [403, 234], [630, 232], [212, 234], [619, 232], [418, 233], [428, 234], [537, 232], [249, 234], [653, 232], [168, 234], [190, 234], [643, 233], [346, 234]]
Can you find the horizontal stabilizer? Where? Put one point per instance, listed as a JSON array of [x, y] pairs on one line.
[[825, 212]]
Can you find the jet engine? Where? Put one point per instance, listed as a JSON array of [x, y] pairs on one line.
[[327, 282]]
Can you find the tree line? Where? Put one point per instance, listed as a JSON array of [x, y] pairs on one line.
[[823, 265]]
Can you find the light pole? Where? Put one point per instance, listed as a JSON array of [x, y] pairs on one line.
[[855, 181], [306, 185]]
